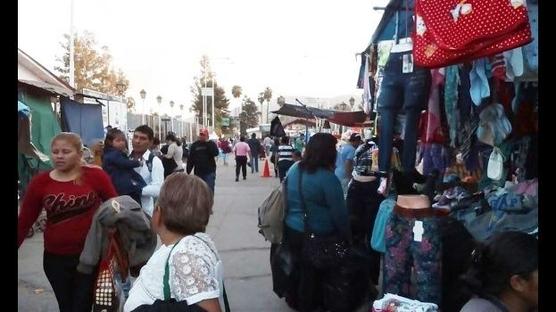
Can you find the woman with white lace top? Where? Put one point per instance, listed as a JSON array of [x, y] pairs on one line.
[[186, 267]]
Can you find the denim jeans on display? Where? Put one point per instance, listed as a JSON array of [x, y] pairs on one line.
[[401, 92], [403, 253]]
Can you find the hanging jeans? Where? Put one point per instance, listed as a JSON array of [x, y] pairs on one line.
[[407, 92], [362, 202], [403, 253]]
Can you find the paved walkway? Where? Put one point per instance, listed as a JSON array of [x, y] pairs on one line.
[[233, 226]]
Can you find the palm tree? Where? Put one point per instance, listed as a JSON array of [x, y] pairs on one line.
[[267, 95], [261, 100], [236, 91], [281, 101]]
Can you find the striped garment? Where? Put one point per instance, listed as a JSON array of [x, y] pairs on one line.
[[285, 152]]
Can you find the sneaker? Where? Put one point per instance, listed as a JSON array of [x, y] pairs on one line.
[[237, 179], [244, 178]]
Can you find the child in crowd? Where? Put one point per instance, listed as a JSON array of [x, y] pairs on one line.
[[115, 162]]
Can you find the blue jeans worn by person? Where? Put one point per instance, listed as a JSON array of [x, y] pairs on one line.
[[283, 167], [403, 252], [209, 180], [407, 92], [254, 163]]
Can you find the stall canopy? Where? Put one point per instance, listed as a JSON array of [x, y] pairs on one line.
[[350, 119], [300, 121], [84, 119]]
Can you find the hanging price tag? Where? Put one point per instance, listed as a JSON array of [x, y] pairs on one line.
[[407, 65], [418, 231]]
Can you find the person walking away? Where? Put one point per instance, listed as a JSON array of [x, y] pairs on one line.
[[255, 147], [70, 194], [120, 168], [201, 158], [284, 161], [274, 155], [187, 266], [241, 151], [344, 160], [327, 214], [267, 142], [299, 142], [152, 170], [226, 149], [363, 202], [155, 149], [175, 152], [185, 151]]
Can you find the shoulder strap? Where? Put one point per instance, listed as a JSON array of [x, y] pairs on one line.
[[166, 286], [302, 199], [226, 303], [149, 162]]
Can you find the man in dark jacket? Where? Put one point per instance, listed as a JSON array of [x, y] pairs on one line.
[[201, 156], [255, 146]]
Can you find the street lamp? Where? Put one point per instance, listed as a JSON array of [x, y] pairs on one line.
[[172, 115], [159, 100], [143, 95]]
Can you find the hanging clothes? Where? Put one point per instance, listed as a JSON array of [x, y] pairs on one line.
[[450, 102], [431, 120]]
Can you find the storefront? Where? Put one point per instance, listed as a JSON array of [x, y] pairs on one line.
[[465, 104]]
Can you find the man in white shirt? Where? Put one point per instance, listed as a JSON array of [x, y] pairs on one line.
[[152, 170]]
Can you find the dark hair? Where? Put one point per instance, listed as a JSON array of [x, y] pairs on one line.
[[502, 256], [172, 137], [242, 138], [253, 135], [320, 152], [111, 135], [297, 153], [146, 130], [285, 140], [276, 141]]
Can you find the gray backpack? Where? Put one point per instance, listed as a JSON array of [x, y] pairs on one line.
[[271, 214]]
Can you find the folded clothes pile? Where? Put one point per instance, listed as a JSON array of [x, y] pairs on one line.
[[395, 303]]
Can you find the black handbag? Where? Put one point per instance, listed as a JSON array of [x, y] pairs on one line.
[[283, 261], [322, 251]]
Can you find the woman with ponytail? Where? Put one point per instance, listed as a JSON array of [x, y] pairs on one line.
[[504, 274]]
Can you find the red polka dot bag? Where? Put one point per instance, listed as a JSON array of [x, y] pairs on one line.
[[448, 32]]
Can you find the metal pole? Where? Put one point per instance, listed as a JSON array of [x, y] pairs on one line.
[[143, 113], [72, 50], [213, 127]]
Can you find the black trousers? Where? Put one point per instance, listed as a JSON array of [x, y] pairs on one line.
[[241, 162], [73, 290], [363, 202], [283, 167]]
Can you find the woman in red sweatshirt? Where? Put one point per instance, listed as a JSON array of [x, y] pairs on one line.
[[70, 194]]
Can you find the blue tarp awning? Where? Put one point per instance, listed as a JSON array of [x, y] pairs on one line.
[[83, 119]]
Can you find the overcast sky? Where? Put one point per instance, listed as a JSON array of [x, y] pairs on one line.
[[296, 47]]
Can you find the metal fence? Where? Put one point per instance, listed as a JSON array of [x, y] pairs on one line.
[[161, 126]]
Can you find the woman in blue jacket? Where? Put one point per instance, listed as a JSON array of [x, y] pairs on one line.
[[323, 199], [115, 162]]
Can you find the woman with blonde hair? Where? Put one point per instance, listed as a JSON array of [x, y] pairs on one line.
[[70, 194]]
